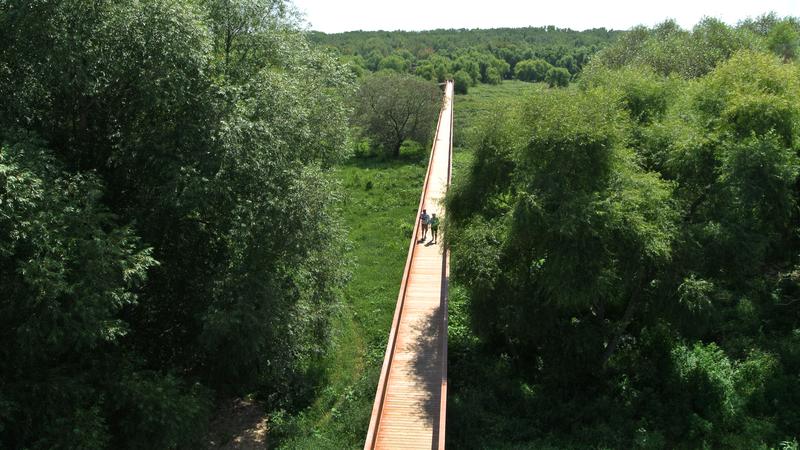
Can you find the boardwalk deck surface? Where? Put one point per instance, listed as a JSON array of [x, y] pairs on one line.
[[409, 407]]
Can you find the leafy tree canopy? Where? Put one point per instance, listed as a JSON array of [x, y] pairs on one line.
[[392, 108], [167, 231], [629, 247]]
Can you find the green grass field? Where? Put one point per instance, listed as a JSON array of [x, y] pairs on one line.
[[381, 198]]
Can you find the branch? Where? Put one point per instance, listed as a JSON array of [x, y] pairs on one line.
[[789, 303], [696, 203], [626, 320]]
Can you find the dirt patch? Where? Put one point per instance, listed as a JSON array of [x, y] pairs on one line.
[[239, 424]]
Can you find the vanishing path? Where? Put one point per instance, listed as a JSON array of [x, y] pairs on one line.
[[409, 408]]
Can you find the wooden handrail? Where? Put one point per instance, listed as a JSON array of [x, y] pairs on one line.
[[445, 294]]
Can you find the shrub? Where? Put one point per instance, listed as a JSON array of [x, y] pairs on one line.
[[462, 82], [557, 77]]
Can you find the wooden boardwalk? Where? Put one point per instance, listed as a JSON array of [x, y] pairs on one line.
[[410, 403]]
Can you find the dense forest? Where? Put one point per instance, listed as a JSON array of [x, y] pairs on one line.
[[202, 201], [470, 56], [629, 251], [167, 226]]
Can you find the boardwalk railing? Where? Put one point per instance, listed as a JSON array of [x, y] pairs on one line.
[[380, 396], [445, 293]]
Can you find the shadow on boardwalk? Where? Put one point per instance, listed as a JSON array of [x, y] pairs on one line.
[[427, 368]]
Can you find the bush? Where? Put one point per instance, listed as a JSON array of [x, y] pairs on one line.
[[557, 76], [532, 70], [462, 82], [493, 76], [157, 411]]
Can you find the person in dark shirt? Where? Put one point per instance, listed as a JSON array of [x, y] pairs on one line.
[[434, 222]]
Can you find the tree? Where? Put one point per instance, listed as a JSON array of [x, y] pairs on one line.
[[68, 270], [392, 108], [581, 230], [668, 49], [783, 40], [394, 63], [493, 76], [467, 64], [196, 134], [532, 70], [436, 68], [568, 62], [462, 82], [647, 225], [557, 76]]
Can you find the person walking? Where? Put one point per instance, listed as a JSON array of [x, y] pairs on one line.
[[434, 227], [424, 220]]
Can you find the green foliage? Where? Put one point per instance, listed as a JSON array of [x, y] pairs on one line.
[[557, 77], [158, 411], [668, 49], [641, 92], [470, 67], [532, 70], [493, 76], [573, 202], [783, 39], [197, 134], [394, 63], [738, 182], [357, 65], [68, 270], [435, 68], [392, 108], [461, 82], [627, 253]]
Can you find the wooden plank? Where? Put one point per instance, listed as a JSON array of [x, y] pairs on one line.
[[412, 390]]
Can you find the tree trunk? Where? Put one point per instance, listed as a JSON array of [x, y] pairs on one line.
[[396, 150], [626, 319]]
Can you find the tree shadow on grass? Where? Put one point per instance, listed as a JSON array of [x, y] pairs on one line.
[[409, 154]]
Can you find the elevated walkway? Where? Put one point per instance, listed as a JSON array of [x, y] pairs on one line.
[[410, 403]]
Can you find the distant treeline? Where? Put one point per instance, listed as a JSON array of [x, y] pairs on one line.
[[486, 56]]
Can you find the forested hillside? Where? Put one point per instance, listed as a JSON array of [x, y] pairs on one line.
[[469, 56], [167, 230], [627, 251]]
